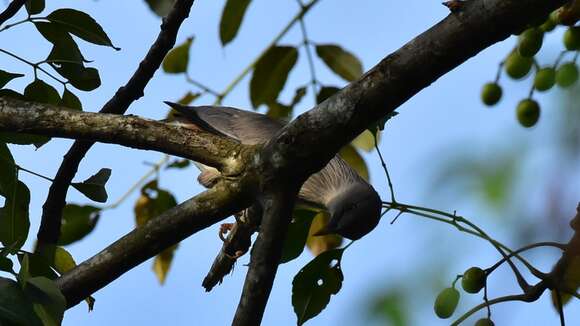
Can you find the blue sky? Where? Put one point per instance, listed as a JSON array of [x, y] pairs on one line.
[[444, 119]]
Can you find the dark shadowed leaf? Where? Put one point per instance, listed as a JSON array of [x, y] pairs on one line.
[[64, 49], [8, 175], [353, 158], [342, 62], [6, 264], [152, 203], [49, 302], [326, 92], [94, 187], [70, 100], [6, 76], [177, 59], [178, 164], [38, 265], [82, 78], [82, 25], [15, 307], [11, 93], [34, 6], [232, 17], [14, 222], [160, 7], [279, 111], [297, 234], [39, 91], [321, 243], [315, 283], [77, 221], [270, 74]]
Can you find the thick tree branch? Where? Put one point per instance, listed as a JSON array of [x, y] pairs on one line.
[[11, 10], [131, 131], [178, 223], [119, 103], [314, 137], [277, 205]]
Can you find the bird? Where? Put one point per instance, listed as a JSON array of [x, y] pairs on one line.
[[353, 204]]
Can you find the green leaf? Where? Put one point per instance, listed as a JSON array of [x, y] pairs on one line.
[[64, 47], [71, 101], [270, 74], [15, 307], [81, 25], [342, 62], [283, 112], [355, 160], [152, 203], [178, 164], [232, 17], [315, 283], [39, 91], [326, 92], [38, 265], [297, 234], [94, 187], [177, 59], [12, 94], [14, 222], [34, 6], [8, 174], [365, 141], [188, 98], [6, 76], [50, 303], [82, 78], [391, 307], [77, 222], [23, 273], [160, 7], [64, 262]]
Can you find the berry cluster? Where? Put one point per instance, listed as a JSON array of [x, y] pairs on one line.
[[520, 62]]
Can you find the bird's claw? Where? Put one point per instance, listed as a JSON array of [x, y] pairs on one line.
[[224, 229]]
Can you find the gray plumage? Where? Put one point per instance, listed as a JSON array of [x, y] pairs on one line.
[[353, 204]]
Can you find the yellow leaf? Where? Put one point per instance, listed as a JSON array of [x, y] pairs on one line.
[[353, 158], [320, 244], [162, 263]]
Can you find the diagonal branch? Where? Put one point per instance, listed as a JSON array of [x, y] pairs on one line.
[[119, 103], [25, 117], [305, 145], [176, 224], [11, 10]]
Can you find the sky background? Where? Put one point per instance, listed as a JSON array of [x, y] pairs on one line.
[[414, 257]]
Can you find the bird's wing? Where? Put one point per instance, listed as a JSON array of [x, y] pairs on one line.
[[247, 127]]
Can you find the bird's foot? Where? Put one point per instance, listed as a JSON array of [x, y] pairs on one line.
[[224, 229]]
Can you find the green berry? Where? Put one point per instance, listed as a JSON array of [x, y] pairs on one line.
[[572, 38], [528, 112], [545, 79], [530, 42], [517, 66], [446, 302], [491, 94], [567, 74], [484, 322], [473, 280]]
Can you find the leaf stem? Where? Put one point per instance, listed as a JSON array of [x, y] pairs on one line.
[[35, 66]]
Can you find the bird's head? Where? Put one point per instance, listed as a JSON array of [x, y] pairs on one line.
[[354, 212]]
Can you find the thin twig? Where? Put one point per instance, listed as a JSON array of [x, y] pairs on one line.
[[385, 169], [119, 103], [11, 10]]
